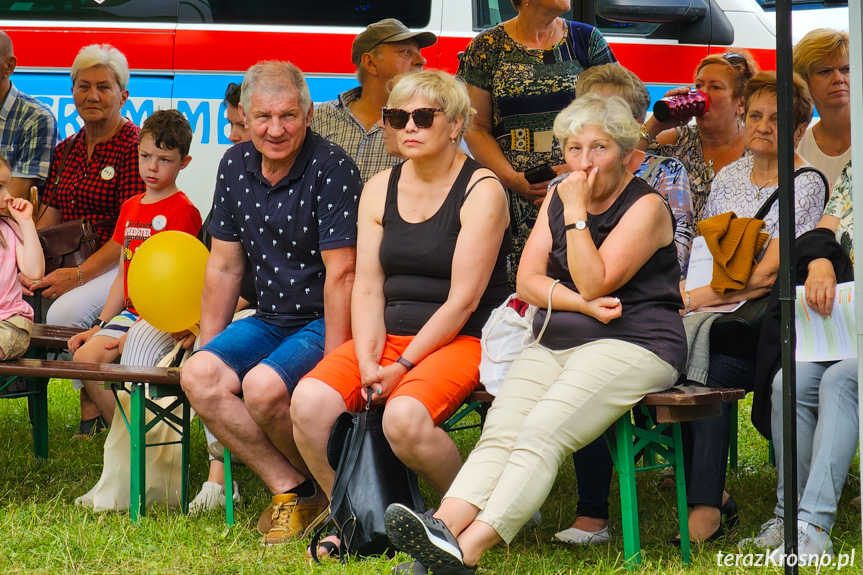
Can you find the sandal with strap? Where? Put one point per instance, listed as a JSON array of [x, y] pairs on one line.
[[331, 549]]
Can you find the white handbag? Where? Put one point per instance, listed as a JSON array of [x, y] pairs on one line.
[[507, 332]]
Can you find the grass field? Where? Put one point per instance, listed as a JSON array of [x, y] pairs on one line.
[[42, 531]]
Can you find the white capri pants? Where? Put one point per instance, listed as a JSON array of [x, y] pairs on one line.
[[80, 307], [551, 404]]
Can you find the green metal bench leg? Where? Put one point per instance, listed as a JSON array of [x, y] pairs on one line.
[[628, 495], [137, 435], [680, 481], [185, 447], [229, 487], [732, 443], [39, 404]]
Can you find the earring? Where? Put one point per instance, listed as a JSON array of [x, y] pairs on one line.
[[452, 141]]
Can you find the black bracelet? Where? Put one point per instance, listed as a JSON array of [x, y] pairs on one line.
[[99, 323], [405, 363]]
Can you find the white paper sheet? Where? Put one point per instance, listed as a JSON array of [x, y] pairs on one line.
[[826, 339]]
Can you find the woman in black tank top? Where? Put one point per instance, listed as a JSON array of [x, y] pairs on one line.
[[602, 250], [431, 265]]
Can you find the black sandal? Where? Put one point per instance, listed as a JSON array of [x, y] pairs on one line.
[[331, 549], [90, 427]]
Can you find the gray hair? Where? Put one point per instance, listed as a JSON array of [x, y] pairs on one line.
[[273, 77], [612, 115], [443, 89], [377, 52], [102, 55], [621, 82]]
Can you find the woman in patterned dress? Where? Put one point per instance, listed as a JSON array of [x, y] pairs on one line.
[[743, 187], [716, 138], [520, 74]]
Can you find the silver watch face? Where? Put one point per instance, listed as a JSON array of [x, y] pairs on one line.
[[580, 224]]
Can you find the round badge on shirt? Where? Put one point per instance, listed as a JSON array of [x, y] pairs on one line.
[[108, 173], [159, 223]]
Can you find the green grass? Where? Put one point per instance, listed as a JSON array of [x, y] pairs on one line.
[[42, 531]]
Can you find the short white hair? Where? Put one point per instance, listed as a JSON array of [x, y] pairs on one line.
[[611, 114], [273, 77], [102, 55]]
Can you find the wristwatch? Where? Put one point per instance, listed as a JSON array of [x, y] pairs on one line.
[[578, 225], [99, 323]]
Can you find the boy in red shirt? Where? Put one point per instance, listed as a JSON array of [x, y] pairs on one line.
[[163, 151]]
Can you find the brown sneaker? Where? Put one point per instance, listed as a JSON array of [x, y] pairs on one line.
[[294, 517]]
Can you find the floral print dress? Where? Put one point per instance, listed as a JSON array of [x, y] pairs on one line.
[[528, 89]]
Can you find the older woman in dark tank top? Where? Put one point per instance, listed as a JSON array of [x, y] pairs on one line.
[[603, 252], [431, 266]]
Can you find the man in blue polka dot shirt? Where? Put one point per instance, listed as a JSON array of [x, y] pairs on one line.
[[288, 200]]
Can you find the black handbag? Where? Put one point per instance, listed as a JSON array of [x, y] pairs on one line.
[[736, 333], [369, 477]]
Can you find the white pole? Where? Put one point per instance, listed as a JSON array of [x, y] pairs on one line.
[[856, 57]]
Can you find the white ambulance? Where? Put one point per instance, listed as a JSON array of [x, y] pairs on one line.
[[183, 53]]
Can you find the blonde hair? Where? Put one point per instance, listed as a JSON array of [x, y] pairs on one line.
[[742, 73], [445, 90], [273, 77], [622, 81], [819, 45], [612, 115], [102, 55]]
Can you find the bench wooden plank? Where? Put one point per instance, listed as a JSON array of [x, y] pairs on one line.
[[690, 395], [52, 336], [90, 371]]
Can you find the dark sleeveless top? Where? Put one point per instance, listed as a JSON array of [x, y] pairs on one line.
[[651, 299], [417, 260]]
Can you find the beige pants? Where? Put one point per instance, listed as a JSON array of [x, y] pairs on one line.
[[15, 336], [551, 404]]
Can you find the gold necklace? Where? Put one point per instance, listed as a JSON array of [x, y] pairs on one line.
[[762, 186], [708, 173], [548, 41]]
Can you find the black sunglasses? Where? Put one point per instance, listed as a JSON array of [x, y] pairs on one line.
[[232, 93], [737, 60], [398, 118]]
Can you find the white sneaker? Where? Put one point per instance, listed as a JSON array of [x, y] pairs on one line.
[[812, 545], [211, 496], [575, 536], [770, 537]]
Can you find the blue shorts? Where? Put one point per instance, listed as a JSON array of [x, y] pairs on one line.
[[292, 352]]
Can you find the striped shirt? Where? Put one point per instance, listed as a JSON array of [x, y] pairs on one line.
[[28, 134], [335, 122]]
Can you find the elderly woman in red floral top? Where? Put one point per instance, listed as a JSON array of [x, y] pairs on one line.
[[92, 173]]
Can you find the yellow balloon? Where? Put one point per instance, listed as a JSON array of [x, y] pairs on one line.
[[166, 278]]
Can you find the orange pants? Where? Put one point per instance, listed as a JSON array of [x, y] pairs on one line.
[[441, 381]]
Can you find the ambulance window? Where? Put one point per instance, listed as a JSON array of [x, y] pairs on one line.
[[413, 13], [625, 28], [90, 10]]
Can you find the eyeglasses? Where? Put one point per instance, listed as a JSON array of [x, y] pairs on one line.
[[737, 60], [232, 93], [398, 118]]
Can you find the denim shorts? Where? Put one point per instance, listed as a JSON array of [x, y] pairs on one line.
[[291, 352]]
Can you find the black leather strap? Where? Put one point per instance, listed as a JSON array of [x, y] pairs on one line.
[[762, 211]]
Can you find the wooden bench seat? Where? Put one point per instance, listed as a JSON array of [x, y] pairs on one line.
[[659, 435], [163, 382]]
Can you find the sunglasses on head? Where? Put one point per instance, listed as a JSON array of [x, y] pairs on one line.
[[736, 60], [398, 118], [233, 91]]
